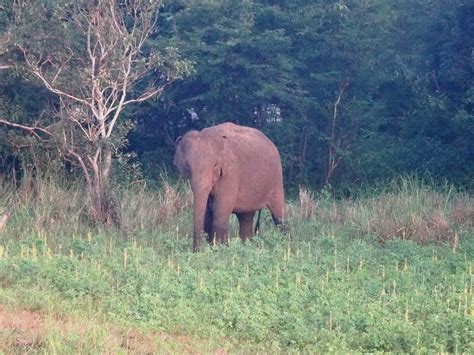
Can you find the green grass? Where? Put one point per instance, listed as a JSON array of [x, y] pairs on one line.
[[329, 286]]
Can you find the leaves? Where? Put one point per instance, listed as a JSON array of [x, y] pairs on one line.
[[408, 66], [295, 55]]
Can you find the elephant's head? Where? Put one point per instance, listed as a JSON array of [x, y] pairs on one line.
[[204, 159]]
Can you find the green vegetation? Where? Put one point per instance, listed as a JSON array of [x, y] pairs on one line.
[[401, 69], [344, 279]]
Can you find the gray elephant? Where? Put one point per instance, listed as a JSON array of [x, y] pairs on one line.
[[232, 169]]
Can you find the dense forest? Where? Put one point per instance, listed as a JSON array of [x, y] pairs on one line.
[[352, 92]]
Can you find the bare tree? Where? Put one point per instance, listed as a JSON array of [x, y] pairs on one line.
[[335, 142], [96, 76]]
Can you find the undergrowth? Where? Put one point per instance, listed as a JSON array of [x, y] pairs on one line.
[[391, 272]]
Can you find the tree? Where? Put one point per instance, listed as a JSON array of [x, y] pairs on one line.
[[95, 56]]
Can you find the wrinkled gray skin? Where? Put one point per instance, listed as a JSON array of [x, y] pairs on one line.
[[232, 169]]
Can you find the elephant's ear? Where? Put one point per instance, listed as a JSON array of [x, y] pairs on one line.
[[227, 157]]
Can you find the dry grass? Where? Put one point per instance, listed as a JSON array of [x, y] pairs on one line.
[[463, 211], [146, 209], [412, 212], [40, 205], [5, 203], [393, 216], [43, 204], [308, 204]]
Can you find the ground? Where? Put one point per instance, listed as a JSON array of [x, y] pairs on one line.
[[27, 330]]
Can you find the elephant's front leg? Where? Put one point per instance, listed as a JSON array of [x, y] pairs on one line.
[[246, 225], [208, 220]]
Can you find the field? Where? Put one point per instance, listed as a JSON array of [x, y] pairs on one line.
[[387, 271]]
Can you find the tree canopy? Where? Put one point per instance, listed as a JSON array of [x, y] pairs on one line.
[[351, 91]]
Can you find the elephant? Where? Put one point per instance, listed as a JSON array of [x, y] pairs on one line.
[[232, 169]]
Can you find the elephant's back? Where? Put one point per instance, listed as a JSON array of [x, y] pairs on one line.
[[248, 141]]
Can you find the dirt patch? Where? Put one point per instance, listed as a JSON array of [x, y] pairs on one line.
[[19, 320], [23, 330], [20, 329]]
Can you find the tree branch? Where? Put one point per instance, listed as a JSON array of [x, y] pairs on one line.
[[333, 162], [30, 129], [36, 70]]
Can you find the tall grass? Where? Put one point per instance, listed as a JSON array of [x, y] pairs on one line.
[[409, 210], [142, 208], [58, 209]]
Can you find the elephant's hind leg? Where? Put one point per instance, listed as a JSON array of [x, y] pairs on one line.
[[245, 225], [208, 218], [277, 207]]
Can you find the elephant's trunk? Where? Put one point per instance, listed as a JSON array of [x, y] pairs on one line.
[[200, 203]]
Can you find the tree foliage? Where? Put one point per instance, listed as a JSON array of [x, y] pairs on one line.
[[351, 91]]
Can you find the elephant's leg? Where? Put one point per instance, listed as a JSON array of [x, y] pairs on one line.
[[277, 208], [220, 227], [222, 209], [208, 218], [246, 225]]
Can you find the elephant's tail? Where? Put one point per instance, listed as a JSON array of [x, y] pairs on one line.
[[257, 225]]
